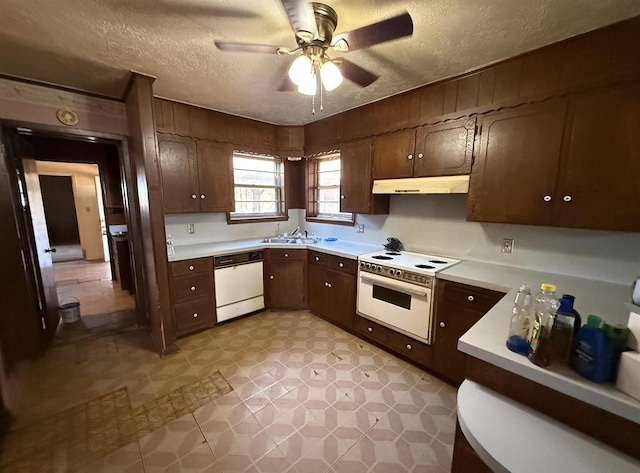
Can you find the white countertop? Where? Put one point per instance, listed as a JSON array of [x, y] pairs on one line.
[[521, 440], [344, 248], [486, 339]]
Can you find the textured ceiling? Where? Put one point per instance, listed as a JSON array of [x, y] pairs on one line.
[[93, 44]]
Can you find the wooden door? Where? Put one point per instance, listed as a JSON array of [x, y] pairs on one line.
[[179, 173], [445, 150], [355, 178], [45, 277], [599, 180], [514, 177], [20, 324], [215, 176], [285, 285], [343, 298], [393, 155], [317, 290]]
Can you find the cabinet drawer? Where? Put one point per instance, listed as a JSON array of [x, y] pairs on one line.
[[191, 266], [277, 254], [344, 265], [318, 258], [468, 297], [195, 314], [410, 348], [371, 329], [191, 287]]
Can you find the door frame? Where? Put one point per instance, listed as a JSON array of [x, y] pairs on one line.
[[127, 181]]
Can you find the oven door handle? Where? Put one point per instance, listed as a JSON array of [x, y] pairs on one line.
[[394, 285]]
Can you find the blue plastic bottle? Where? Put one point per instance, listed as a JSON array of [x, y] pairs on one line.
[[590, 348]]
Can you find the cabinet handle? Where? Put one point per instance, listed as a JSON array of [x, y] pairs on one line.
[[567, 198], [342, 196], [442, 324], [410, 157], [420, 155], [195, 316], [369, 329], [341, 265], [547, 198], [191, 268], [317, 258], [270, 277], [471, 298], [193, 196], [193, 288], [329, 285], [202, 196], [286, 255], [409, 347]]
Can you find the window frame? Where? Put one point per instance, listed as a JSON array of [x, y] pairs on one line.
[[281, 206], [313, 214]]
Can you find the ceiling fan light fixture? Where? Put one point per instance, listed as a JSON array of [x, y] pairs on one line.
[[300, 69], [309, 85], [330, 75]]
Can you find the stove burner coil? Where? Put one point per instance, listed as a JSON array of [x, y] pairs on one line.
[[381, 257], [425, 266], [437, 261], [393, 253]]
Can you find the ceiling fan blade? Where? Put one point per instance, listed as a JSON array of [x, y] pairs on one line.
[[376, 33], [355, 73], [302, 19], [246, 47]]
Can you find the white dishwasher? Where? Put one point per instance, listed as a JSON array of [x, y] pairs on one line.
[[238, 284]]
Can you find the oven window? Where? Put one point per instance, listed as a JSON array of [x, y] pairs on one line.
[[390, 296]]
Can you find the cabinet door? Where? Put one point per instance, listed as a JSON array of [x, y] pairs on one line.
[[317, 290], [393, 155], [355, 178], [514, 177], [215, 176], [285, 285], [343, 298], [179, 174], [445, 150], [599, 182]]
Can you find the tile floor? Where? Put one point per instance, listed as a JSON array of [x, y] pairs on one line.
[[292, 393]]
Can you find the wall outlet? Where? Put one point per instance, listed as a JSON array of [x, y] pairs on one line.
[[191, 228], [360, 228], [507, 245]]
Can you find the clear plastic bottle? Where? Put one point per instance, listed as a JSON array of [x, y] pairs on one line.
[[545, 306], [562, 332], [520, 322]]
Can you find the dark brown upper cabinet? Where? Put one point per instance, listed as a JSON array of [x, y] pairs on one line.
[[567, 163], [356, 181], [197, 175], [444, 149]]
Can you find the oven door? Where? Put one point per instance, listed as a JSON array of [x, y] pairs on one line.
[[396, 304]]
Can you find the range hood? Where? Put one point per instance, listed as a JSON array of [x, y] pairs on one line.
[[423, 185]]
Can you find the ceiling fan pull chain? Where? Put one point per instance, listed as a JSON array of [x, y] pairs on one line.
[[321, 97], [313, 105]]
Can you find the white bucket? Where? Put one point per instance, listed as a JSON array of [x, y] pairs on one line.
[[69, 311]]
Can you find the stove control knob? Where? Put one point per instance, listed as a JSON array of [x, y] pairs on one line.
[[362, 264], [368, 265], [379, 268], [398, 273], [392, 272]]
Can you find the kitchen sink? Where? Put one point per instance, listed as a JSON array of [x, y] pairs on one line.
[[291, 240]]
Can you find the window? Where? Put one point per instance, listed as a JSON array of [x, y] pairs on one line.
[[257, 181], [325, 190]]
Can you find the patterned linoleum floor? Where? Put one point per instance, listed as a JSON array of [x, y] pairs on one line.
[[274, 392]]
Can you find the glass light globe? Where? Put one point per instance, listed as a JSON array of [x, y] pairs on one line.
[[300, 69], [330, 75], [309, 85]]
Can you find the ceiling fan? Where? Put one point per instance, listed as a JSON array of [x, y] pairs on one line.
[[314, 25]]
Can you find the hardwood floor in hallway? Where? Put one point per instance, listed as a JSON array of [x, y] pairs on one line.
[[90, 282]]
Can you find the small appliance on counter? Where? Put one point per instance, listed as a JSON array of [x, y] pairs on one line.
[[393, 244]]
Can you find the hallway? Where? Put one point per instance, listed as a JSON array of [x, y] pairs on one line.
[[279, 391]]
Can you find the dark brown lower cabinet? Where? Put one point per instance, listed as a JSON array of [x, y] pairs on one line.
[[192, 295], [331, 286], [458, 307], [284, 279], [465, 459]]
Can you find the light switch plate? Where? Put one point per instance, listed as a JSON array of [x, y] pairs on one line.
[[360, 228], [507, 245], [191, 228]]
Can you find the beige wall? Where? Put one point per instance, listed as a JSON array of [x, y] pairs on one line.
[[84, 195]]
